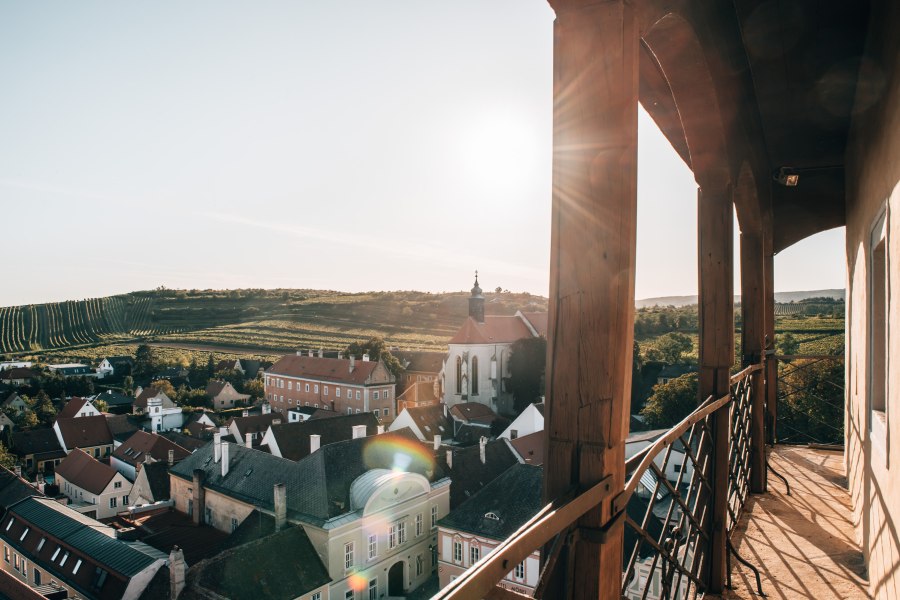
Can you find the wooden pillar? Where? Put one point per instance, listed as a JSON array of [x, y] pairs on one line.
[[591, 309], [753, 308], [716, 272], [771, 363]]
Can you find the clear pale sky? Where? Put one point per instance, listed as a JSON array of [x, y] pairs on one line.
[[352, 145]]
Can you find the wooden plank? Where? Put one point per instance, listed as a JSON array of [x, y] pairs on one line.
[[753, 319], [771, 364], [591, 308], [716, 309]]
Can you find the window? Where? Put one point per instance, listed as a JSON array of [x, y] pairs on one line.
[[474, 375], [348, 556], [513, 434], [373, 546], [6, 553], [377, 396], [879, 284], [24, 533], [37, 577], [15, 561], [457, 552], [76, 567], [373, 589], [387, 393], [348, 595], [117, 485], [307, 388], [337, 392], [64, 558], [392, 537], [316, 388], [281, 383], [290, 385], [520, 570], [386, 412], [316, 596], [459, 375], [434, 516], [419, 524], [8, 525], [401, 531], [325, 389], [112, 502], [357, 394], [234, 524], [41, 544], [55, 554], [349, 411], [124, 500], [474, 554]]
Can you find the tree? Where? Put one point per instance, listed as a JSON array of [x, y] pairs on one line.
[[128, 383], [28, 420], [144, 361], [527, 364], [786, 344], [255, 388], [671, 402], [165, 386], [673, 345], [377, 350], [44, 410], [811, 401], [7, 459], [101, 405]]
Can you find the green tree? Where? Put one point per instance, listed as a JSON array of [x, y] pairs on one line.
[[128, 384], [673, 345], [255, 388], [527, 364], [671, 402], [377, 350], [786, 344], [7, 459], [28, 420], [811, 402], [44, 410], [165, 386], [101, 405], [144, 360]]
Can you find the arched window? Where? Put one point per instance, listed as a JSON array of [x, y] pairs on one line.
[[458, 375], [474, 375]]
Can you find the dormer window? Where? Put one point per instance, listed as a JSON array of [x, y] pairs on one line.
[[492, 516]]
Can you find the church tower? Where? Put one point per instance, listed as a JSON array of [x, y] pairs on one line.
[[476, 302]]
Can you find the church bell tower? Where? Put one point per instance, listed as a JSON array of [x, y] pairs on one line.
[[476, 302]]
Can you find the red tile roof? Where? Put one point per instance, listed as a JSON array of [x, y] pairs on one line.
[[538, 320], [530, 447], [85, 432], [494, 330], [81, 469], [72, 408], [420, 391], [138, 446], [323, 369], [472, 412]]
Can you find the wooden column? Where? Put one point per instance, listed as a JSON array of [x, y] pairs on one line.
[[716, 272], [771, 363], [591, 311], [753, 308]]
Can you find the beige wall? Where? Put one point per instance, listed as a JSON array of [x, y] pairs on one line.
[[223, 508], [450, 569], [873, 183]]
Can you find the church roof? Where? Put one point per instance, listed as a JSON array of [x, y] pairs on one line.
[[494, 330]]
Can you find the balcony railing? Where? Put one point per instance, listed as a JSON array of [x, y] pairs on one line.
[[810, 399], [665, 505]]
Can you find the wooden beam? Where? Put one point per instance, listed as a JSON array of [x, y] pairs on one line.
[[771, 363], [591, 309], [753, 319], [716, 309]]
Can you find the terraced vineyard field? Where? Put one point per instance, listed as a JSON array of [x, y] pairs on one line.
[[267, 320]]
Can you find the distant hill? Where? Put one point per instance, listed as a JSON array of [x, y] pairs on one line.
[[781, 297], [276, 320]]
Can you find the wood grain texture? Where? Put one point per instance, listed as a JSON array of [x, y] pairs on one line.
[[753, 319]]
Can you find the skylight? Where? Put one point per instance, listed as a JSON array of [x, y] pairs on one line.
[[492, 516]]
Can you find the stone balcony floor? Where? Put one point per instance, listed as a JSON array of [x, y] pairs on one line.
[[802, 544]]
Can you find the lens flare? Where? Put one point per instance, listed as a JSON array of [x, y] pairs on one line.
[[357, 582], [399, 454]]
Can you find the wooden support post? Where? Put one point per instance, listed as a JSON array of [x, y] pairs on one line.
[[591, 310], [771, 363], [716, 306], [753, 306]]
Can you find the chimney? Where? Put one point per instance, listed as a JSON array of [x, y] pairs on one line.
[[280, 502], [246, 413], [177, 569], [366, 357], [450, 458], [315, 440], [321, 353], [380, 429], [226, 460], [199, 496], [482, 443], [276, 421], [437, 441], [352, 363], [310, 353], [266, 408], [299, 352], [248, 440], [359, 431], [171, 457], [217, 445]]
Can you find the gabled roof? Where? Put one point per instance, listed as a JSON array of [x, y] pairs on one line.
[[72, 408], [37, 442], [468, 474], [84, 432], [135, 449], [151, 392], [214, 388], [254, 423], [500, 507], [115, 399], [431, 421], [421, 362], [114, 360], [247, 572], [81, 469], [157, 475], [530, 448], [185, 441], [122, 426], [473, 412], [251, 367], [226, 364], [13, 488], [18, 373], [495, 330], [420, 391], [293, 438], [10, 399], [537, 320], [335, 370]]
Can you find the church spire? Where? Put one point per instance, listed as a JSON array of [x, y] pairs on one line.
[[476, 302]]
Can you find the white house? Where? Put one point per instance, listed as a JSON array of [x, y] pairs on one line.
[[95, 489], [635, 442], [163, 414], [79, 407], [529, 421], [477, 364]]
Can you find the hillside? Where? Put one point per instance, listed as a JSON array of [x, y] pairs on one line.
[[781, 297], [260, 320]]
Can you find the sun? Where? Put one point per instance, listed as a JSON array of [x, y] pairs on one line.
[[499, 150]]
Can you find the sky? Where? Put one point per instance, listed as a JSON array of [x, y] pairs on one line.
[[351, 145]]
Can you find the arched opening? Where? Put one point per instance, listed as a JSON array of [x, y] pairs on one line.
[[474, 375], [395, 579], [458, 375]]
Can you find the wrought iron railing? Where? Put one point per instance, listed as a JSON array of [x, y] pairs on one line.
[[810, 399], [665, 506]]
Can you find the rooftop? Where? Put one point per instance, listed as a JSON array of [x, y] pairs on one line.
[[86, 472], [335, 370]]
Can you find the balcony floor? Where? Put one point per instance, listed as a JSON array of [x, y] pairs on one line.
[[803, 544]]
